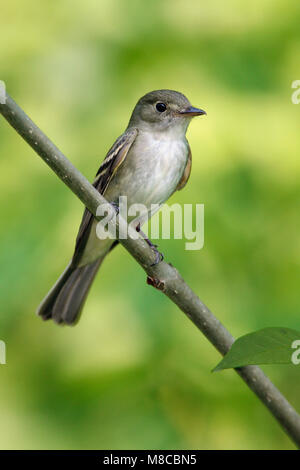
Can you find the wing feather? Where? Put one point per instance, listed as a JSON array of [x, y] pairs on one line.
[[187, 172], [114, 158]]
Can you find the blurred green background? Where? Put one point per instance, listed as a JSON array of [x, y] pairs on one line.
[[135, 373]]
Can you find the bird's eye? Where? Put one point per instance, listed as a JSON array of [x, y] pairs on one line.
[[161, 107]]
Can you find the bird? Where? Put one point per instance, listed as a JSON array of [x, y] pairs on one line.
[[149, 162]]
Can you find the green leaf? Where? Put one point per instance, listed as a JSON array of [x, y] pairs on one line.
[[266, 346]]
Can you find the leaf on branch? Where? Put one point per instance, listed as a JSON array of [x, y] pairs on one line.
[[266, 346]]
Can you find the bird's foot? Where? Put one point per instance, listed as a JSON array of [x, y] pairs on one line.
[[116, 207], [158, 256]]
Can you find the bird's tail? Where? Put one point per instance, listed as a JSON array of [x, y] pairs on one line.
[[65, 300]]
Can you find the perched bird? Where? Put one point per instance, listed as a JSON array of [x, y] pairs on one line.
[[147, 164]]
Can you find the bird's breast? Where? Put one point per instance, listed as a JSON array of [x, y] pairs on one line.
[[151, 171]]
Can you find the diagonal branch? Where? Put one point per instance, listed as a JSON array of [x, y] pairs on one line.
[[162, 276]]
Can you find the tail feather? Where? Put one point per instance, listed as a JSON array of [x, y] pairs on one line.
[[65, 300]]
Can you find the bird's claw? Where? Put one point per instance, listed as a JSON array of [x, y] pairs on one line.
[[158, 256], [116, 207]]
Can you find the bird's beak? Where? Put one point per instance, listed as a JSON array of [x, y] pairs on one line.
[[191, 111]]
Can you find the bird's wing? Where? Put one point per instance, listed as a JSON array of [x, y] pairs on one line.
[[114, 158], [187, 171]]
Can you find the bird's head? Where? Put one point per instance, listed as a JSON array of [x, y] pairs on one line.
[[163, 111]]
